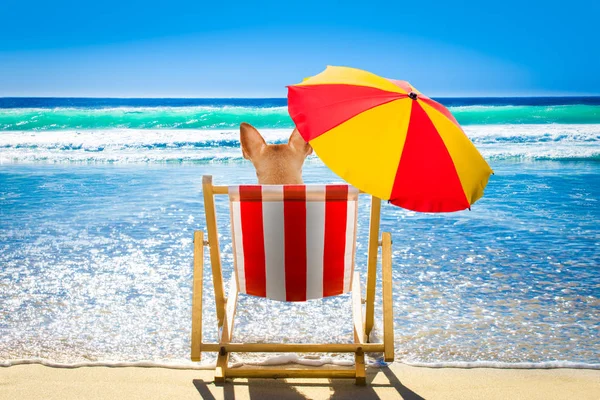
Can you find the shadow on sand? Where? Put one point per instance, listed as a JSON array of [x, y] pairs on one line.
[[381, 383]]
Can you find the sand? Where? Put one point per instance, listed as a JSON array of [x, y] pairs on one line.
[[397, 382]]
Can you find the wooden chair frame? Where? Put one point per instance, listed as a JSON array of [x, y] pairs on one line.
[[226, 308]]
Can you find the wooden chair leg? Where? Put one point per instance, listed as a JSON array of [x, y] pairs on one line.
[[226, 331], [213, 244], [359, 331], [359, 364], [388, 315], [357, 310], [372, 265], [196, 347], [221, 369]]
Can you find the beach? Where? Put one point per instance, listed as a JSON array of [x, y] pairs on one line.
[[398, 382], [99, 199]]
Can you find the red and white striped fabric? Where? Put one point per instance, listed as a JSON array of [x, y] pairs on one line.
[[293, 242]]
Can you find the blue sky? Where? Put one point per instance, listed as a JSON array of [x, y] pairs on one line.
[[253, 49]]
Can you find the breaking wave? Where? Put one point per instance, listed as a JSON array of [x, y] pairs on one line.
[[546, 141]]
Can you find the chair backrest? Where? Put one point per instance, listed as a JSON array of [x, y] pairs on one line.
[[293, 242]]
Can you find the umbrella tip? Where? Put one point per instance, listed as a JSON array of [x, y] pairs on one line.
[[412, 95]]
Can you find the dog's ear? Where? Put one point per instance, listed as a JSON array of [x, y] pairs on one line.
[[251, 140], [298, 144]]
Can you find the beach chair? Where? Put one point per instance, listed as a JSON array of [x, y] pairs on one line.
[[292, 243]]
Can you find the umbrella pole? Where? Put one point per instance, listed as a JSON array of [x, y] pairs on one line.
[[372, 264]]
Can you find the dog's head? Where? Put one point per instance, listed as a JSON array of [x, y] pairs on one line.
[[275, 164]]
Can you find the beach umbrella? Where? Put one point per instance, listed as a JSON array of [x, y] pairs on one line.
[[386, 138]]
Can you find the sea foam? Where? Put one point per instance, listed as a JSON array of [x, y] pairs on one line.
[[553, 141], [295, 359]]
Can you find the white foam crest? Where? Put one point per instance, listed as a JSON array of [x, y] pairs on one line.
[[283, 359], [126, 145], [505, 365], [93, 139], [545, 141], [519, 133], [295, 359], [115, 364]]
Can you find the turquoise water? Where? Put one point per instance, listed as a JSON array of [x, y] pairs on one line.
[[212, 117], [96, 228]]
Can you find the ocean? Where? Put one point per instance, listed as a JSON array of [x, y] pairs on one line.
[[99, 199]]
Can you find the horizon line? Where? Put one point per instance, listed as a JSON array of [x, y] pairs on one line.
[[283, 98]]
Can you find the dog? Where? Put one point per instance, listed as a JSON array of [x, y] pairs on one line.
[[275, 164], [280, 164]]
